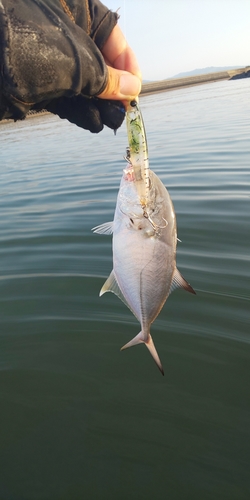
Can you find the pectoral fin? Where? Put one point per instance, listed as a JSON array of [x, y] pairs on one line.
[[106, 228]]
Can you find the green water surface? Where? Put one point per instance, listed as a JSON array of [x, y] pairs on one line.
[[78, 418]]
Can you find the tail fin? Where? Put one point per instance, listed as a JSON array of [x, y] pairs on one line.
[[139, 339]]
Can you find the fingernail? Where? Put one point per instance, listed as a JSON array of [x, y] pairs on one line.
[[130, 85]]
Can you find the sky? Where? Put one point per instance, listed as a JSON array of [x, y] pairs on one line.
[[174, 36]]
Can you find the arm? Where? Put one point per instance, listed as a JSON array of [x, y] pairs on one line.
[[50, 57]]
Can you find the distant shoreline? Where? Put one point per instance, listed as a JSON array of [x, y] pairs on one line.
[[178, 83], [175, 84]]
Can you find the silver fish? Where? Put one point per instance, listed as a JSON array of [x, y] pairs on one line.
[[144, 241]]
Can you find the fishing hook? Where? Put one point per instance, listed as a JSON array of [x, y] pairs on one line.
[[155, 226], [127, 157]]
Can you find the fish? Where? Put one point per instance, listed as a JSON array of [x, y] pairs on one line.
[[144, 239]]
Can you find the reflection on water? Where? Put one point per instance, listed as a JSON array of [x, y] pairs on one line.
[[78, 418]]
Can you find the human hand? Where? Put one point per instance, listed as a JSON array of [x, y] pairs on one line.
[[124, 84], [74, 63], [124, 75]]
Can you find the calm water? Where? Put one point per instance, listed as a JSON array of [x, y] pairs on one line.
[[79, 419]]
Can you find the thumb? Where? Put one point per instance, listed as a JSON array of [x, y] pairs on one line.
[[121, 86]]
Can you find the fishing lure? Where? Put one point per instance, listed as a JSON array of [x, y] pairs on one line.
[[137, 157]]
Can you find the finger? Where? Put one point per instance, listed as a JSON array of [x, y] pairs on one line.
[[119, 54], [121, 86], [127, 61]]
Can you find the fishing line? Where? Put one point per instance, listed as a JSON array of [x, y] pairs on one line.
[[124, 14]]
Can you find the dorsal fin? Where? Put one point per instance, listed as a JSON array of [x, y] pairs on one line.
[[179, 282]]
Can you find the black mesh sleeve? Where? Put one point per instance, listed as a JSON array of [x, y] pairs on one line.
[[49, 54]]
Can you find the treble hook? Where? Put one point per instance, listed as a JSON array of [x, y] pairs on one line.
[[155, 226], [127, 157]]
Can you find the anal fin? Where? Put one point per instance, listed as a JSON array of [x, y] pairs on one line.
[[111, 285]]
